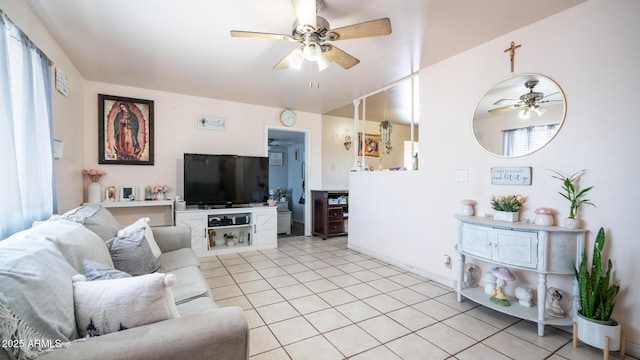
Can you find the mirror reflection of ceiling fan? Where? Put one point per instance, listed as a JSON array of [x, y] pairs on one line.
[[313, 33], [530, 102]]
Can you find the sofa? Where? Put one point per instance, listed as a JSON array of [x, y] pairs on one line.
[[47, 294]]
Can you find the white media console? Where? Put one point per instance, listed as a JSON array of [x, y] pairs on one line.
[[255, 228]]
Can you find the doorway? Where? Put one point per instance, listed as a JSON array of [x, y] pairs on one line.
[[287, 151]]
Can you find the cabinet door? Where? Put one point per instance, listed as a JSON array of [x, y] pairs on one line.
[[197, 223], [265, 223], [476, 240], [516, 248]]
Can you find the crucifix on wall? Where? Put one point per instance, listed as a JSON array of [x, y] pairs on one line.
[[512, 53]]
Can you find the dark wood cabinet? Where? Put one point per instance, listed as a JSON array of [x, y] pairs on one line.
[[330, 213]]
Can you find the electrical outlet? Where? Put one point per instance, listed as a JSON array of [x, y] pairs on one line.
[[462, 175], [447, 261]]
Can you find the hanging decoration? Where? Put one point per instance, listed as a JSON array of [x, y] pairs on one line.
[[385, 136]]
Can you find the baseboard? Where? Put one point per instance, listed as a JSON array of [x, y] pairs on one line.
[[425, 274], [632, 349]]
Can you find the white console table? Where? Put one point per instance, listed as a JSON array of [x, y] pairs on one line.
[[545, 250], [140, 203]]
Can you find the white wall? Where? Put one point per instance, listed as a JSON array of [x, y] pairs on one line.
[[176, 133], [337, 161], [592, 52]]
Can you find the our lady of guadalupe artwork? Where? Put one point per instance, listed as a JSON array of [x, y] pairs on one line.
[[126, 130]]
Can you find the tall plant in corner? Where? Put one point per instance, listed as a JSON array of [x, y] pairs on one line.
[[597, 298], [569, 186]]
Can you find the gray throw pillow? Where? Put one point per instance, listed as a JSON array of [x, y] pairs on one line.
[[96, 271], [132, 254]]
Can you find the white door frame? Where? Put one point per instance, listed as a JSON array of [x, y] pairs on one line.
[[307, 203]]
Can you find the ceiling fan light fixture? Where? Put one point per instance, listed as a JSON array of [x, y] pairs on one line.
[[539, 110], [525, 113], [296, 59], [323, 62], [312, 51]]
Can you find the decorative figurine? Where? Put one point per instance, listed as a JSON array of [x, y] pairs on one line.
[[524, 295], [554, 307], [503, 275], [489, 283], [472, 273], [467, 207]]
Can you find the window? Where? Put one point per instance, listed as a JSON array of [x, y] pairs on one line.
[[522, 141], [26, 141]]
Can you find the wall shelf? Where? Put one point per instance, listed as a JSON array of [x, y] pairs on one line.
[[140, 203]]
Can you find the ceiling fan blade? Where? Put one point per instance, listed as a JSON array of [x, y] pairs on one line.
[[261, 35], [306, 12], [293, 59], [342, 58], [365, 29], [504, 108]]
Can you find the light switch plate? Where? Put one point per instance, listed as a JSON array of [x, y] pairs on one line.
[[462, 175]]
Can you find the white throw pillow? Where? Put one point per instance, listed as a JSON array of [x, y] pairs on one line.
[[105, 306], [148, 234]]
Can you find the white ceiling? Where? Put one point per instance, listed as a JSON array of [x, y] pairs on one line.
[[185, 47]]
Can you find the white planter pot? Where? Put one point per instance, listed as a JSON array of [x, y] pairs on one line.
[[506, 216], [571, 223], [594, 333]]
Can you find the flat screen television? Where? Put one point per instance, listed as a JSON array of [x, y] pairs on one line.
[[225, 179]]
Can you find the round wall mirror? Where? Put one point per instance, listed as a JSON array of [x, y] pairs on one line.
[[519, 115]]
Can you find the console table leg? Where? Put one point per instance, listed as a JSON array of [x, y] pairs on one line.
[[460, 276], [542, 292]]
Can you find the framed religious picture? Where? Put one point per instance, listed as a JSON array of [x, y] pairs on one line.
[[371, 145], [125, 130]]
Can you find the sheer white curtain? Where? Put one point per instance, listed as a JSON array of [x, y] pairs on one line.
[[27, 188]]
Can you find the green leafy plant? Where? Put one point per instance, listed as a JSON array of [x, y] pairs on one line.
[[597, 298], [509, 203], [571, 192], [230, 236]]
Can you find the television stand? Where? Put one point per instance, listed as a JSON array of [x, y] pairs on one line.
[[255, 228]]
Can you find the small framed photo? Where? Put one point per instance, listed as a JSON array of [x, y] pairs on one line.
[[110, 193], [127, 193]]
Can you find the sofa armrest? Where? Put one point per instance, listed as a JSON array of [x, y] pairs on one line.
[[170, 238], [220, 333]]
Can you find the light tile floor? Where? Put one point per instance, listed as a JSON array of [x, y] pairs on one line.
[[315, 299]]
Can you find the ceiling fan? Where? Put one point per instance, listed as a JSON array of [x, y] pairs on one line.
[[313, 33], [531, 102]]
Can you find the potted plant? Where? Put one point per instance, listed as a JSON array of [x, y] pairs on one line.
[[231, 239], [576, 197], [507, 207], [597, 299]]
